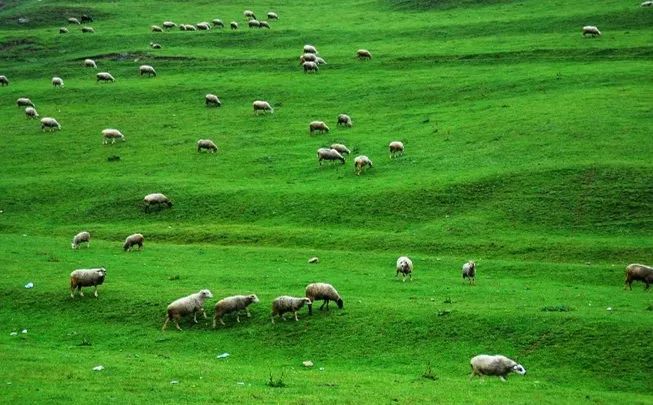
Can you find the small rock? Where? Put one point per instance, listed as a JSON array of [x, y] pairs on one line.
[[222, 356], [29, 285], [314, 259], [98, 368], [307, 363]]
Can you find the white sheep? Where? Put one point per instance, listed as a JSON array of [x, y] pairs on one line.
[[233, 25], [57, 82], [310, 67], [591, 30], [212, 99], [254, 24], [73, 20], [168, 24], [310, 49], [320, 61], [363, 54], [405, 268], [208, 145], [30, 112], [88, 30], [50, 123], [469, 272], [344, 120], [638, 272], [156, 199], [396, 148], [264, 106], [133, 240], [249, 14], [82, 237], [264, 24], [113, 134], [189, 27], [235, 304], [203, 26], [272, 15], [63, 30], [24, 102], [360, 163], [156, 28], [104, 77], [285, 303], [318, 126], [329, 154], [86, 278], [322, 291], [218, 23], [90, 63], [307, 57], [648, 3], [154, 45], [147, 69], [342, 149], [498, 365], [189, 305]]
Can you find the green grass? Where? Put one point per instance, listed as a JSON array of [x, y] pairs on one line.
[[527, 150]]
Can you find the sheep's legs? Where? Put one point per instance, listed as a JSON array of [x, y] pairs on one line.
[[296, 319], [177, 324], [237, 318], [502, 378], [165, 324], [248, 314], [79, 290], [95, 292]]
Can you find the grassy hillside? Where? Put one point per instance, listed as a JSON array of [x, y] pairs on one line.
[[527, 150]]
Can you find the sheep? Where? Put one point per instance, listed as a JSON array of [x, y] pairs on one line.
[[88, 30], [50, 124], [156, 199], [104, 77], [212, 99], [30, 112], [638, 272], [363, 54], [319, 126], [249, 14], [156, 28], [63, 30], [147, 69], [24, 102], [272, 15], [182, 27], [206, 144], [189, 27], [310, 67], [591, 30], [286, 303], [499, 365], [360, 163], [90, 63], [154, 45], [168, 24], [307, 57], [4, 81], [86, 278], [322, 291], [264, 106], [57, 82], [254, 24], [405, 267], [133, 240], [320, 61], [469, 272], [647, 4], [344, 120], [73, 20], [396, 148], [218, 23], [233, 25], [310, 49], [112, 134], [82, 237], [264, 24], [86, 18], [203, 26], [189, 305], [329, 154], [235, 304], [342, 149]]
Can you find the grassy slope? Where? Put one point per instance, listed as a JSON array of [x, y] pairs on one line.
[[527, 150]]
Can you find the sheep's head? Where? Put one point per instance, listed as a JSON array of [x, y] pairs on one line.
[[519, 369], [254, 298], [206, 294], [307, 300], [340, 303], [101, 271]]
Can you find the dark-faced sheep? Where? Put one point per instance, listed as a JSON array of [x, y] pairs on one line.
[[405, 268], [189, 305], [264, 24], [207, 145], [307, 57], [264, 106], [235, 304], [24, 102], [233, 25], [133, 240], [496, 365], [86, 278], [156, 200], [203, 26], [317, 126], [147, 70], [57, 82], [360, 163], [88, 30], [168, 24], [638, 272], [344, 120], [104, 77], [249, 14], [90, 63], [50, 124], [363, 54], [86, 18], [30, 112], [254, 24], [82, 237], [342, 149], [284, 304], [111, 134], [324, 292], [218, 23], [469, 272], [396, 148], [310, 67], [212, 100], [272, 15], [63, 30], [329, 155], [591, 30]]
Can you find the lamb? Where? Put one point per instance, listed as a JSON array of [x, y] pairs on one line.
[[104, 77], [156, 28], [168, 24], [4, 81], [329, 154], [342, 149], [272, 15], [73, 20], [133, 240], [264, 24], [363, 54], [24, 102], [112, 134], [156, 199], [206, 144], [319, 126], [320, 61], [154, 45], [360, 163], [405, 267], [591, 30], [310, 49], [396, 148], [249, 14], [638, 272], [50, 124], [63, 30], [86, 278], [264, 106], [82, 237], [310, 67], [88, 30], [57, 82], [189, 305], [233, 25], [86, 18], [212, 99], [147, 69], [30, 112], [235, 304], [90, 63], [286, 303], [499, 365], [344, 120], [469, 272], [322, 291], [203, 26], [218, 23], [307, 57], [254, 24]]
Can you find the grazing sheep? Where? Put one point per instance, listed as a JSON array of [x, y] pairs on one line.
[[112, 134], [264, 106], [156, 28], [50, 123], [342, 149], [363, 54], [218, 23], [469, 272], [24, 102], [133, 240], [310, 49], [57, 82], [254, 24], [206, 144], [82, 237], [154, 45], [286, 303], [638, 272], [4, 81], [189, 27], [104, 77], [499, 365], [182, 27], [396, 148], [405, 267], [88, 30], [272, 15], [647, 4], [235, 304], [63, 30], [156, 199], [73, 20], [344, 120], [264, 24], [203, 26], [189, 305], [30, 112], [322, 291], [310, 67], [212, 99], [319, 126], [360, 163], [249, 14], [307, 57], [168, 24], [233, 25], [320, 61], [90, 63], [86, 18], [591, 30], [86, 278], [329, 154], [148, 70]]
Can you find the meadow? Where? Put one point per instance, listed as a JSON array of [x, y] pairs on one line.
[[527, 150]]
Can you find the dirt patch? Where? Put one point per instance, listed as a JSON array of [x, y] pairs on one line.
[[46, 16]]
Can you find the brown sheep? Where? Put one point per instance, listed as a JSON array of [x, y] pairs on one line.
[[638, 272]]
